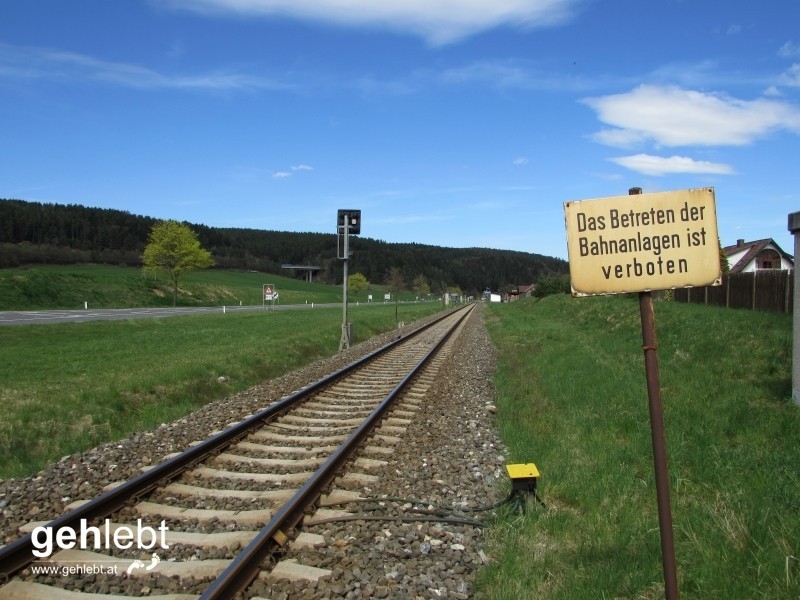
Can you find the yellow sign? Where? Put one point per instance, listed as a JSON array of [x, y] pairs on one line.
[[643, 242]]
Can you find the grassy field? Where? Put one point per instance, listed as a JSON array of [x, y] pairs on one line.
[[572, 399], [103, 286], [69, 387]]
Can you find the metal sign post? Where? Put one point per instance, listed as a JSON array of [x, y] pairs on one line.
[[659, 241], [270, 294], [657, 435]]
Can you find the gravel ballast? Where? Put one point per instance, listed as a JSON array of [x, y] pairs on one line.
[[450, 456]]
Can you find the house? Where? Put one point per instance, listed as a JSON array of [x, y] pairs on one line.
[[521, 291], [745, 257]]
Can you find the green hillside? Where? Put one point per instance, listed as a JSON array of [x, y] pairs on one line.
[[103, 286], [34, 233]]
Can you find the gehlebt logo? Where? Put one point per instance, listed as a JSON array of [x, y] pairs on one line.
[[47, 540]]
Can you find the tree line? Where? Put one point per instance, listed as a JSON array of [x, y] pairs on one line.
[[33, 232]]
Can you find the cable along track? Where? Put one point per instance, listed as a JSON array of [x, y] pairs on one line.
[[207, 522]]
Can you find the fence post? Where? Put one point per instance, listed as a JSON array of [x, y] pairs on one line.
[[794, 228], [727, 291]]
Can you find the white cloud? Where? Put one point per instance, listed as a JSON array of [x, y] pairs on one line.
[[51, 64], [672, 116], [505, 74], [789, 50], [518, 162], [439, 21], [619, 138], [293, 169], [791, 76], [658, 165]]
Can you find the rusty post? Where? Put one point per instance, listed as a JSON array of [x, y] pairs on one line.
[[659, 439]]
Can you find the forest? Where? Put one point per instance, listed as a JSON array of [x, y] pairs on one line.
[[39, 233]]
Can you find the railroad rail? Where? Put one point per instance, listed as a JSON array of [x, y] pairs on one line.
[[320, 428]]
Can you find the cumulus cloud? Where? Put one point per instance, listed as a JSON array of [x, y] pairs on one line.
[[659, 165], [439, 22], [518, 162], [672, 116]]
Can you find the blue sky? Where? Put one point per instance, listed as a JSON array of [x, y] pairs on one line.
[[450, 122]]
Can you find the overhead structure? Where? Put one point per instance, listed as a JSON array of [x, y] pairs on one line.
[[306, 272]]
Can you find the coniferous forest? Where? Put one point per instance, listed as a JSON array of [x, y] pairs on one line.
[[36, 233]]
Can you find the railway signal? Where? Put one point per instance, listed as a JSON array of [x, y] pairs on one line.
[[348, 222]]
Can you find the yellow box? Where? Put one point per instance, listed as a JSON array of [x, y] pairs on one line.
[[522, 471]]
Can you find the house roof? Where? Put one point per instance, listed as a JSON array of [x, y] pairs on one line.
[[751, 250], [522, 289]]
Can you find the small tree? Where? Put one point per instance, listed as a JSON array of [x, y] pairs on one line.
[[395, 280], [724, 265], [420, 286], [174, 249], [357, 282]]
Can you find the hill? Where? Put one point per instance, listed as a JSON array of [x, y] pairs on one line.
[[43, 287], [37, 233]]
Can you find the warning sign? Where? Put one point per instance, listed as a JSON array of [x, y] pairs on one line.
[[269, 293], [643, 242]]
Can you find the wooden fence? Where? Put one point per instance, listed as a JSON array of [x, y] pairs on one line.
[[770, 290]]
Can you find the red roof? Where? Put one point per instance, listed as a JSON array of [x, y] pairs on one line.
[[752, 250]]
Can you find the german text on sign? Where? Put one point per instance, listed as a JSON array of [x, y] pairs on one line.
[[643, 242]]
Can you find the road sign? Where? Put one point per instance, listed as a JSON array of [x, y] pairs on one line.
[[269, 292], [643, 242]]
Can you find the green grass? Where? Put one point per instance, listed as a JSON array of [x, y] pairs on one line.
[[103, 286], [66, 388], [573, 399]]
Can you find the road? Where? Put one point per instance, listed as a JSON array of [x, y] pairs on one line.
[[48, 317]]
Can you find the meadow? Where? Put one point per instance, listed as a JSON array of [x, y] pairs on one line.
[[572, 398], [104, 286], [69, 387]]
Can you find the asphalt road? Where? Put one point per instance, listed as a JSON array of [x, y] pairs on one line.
[[49, 317]]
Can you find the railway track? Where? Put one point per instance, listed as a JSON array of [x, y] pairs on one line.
[[211, 520]]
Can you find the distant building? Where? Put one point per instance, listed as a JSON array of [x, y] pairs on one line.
[[745, 257], [521, 291]]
